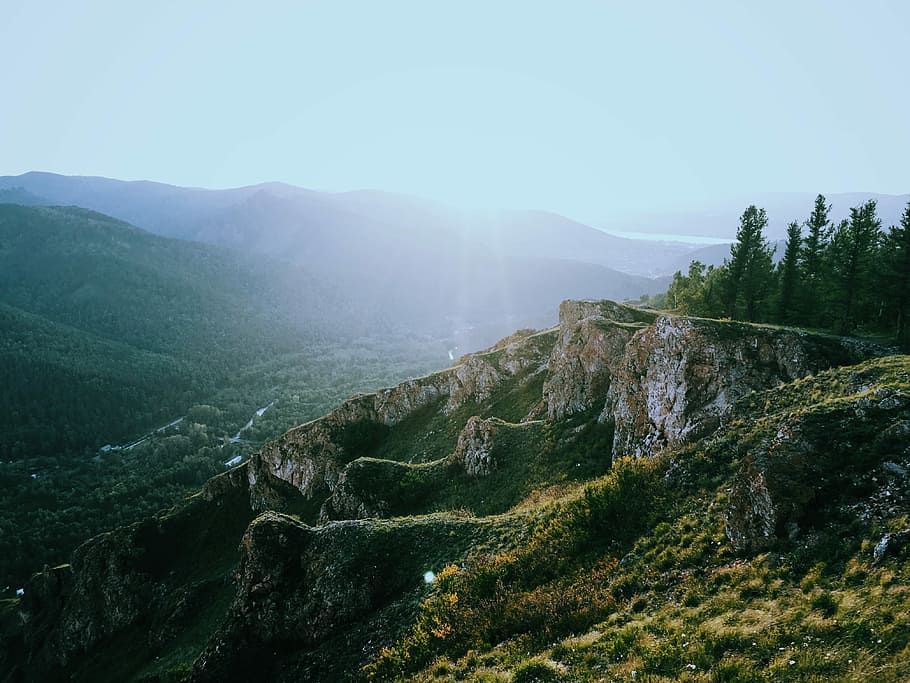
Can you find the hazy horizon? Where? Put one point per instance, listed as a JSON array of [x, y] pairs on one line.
[[591, 111]]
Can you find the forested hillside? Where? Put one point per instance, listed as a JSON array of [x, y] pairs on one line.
[[108, 333], [108, 329], [851, 276]]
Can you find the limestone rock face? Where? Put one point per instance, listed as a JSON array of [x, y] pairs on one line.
[[307, 457], [475, 379], [584, 360], [845, 456], [679, 376], [475, 447], [311, 457], [592, 340]]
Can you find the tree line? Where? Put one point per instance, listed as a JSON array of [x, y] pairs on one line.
[[849, 277]]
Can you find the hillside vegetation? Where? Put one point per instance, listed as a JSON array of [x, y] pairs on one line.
[[760, 535]]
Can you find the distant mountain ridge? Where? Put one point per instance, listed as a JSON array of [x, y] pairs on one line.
[[395, 259], [175, 308], [274, 217]]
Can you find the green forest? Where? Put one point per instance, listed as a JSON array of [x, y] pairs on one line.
[[108, 333], [849, 277], [52, 501]]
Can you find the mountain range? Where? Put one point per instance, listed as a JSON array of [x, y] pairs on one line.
[[317, 229], [300, 224], [398, 257]]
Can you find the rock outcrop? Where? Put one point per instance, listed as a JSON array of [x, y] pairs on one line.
[[842, 455], [121, 580], [70, 608], [592, 340], [475, 447], [679, 376], [304, 584], [658, 380], [664, 380]]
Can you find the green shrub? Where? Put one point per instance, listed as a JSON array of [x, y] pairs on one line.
[[735, 671], [535, 671], [824, 603]]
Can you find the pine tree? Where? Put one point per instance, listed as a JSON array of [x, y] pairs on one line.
[[684, 290], [897, 270], [851, 255], [749, 269], [818, 236], [789, 270]]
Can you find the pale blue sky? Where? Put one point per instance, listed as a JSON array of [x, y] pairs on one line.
[[587, 108]]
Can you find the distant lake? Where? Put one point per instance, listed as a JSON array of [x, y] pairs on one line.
[[666, 237]]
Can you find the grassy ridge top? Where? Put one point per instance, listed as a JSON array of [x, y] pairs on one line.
[[638, 573]]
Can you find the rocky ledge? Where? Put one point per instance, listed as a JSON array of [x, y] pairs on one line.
[[312, 457], [303, 585]]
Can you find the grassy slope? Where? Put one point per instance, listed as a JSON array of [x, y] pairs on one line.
[[531, 458], [430, 434], [410, 466], [638, 575]]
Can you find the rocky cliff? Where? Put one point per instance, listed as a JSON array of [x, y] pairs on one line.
[[658, 381], [664, 380], [305, 585], [679, 376], [591, 344], [152, 580]]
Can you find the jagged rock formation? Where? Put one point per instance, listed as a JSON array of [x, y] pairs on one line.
[[100, 593], [121, 581], [679, 376], [591, 344], [321, 599], [662, 381]]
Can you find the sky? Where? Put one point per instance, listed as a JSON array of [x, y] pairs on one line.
[[591, 109]]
